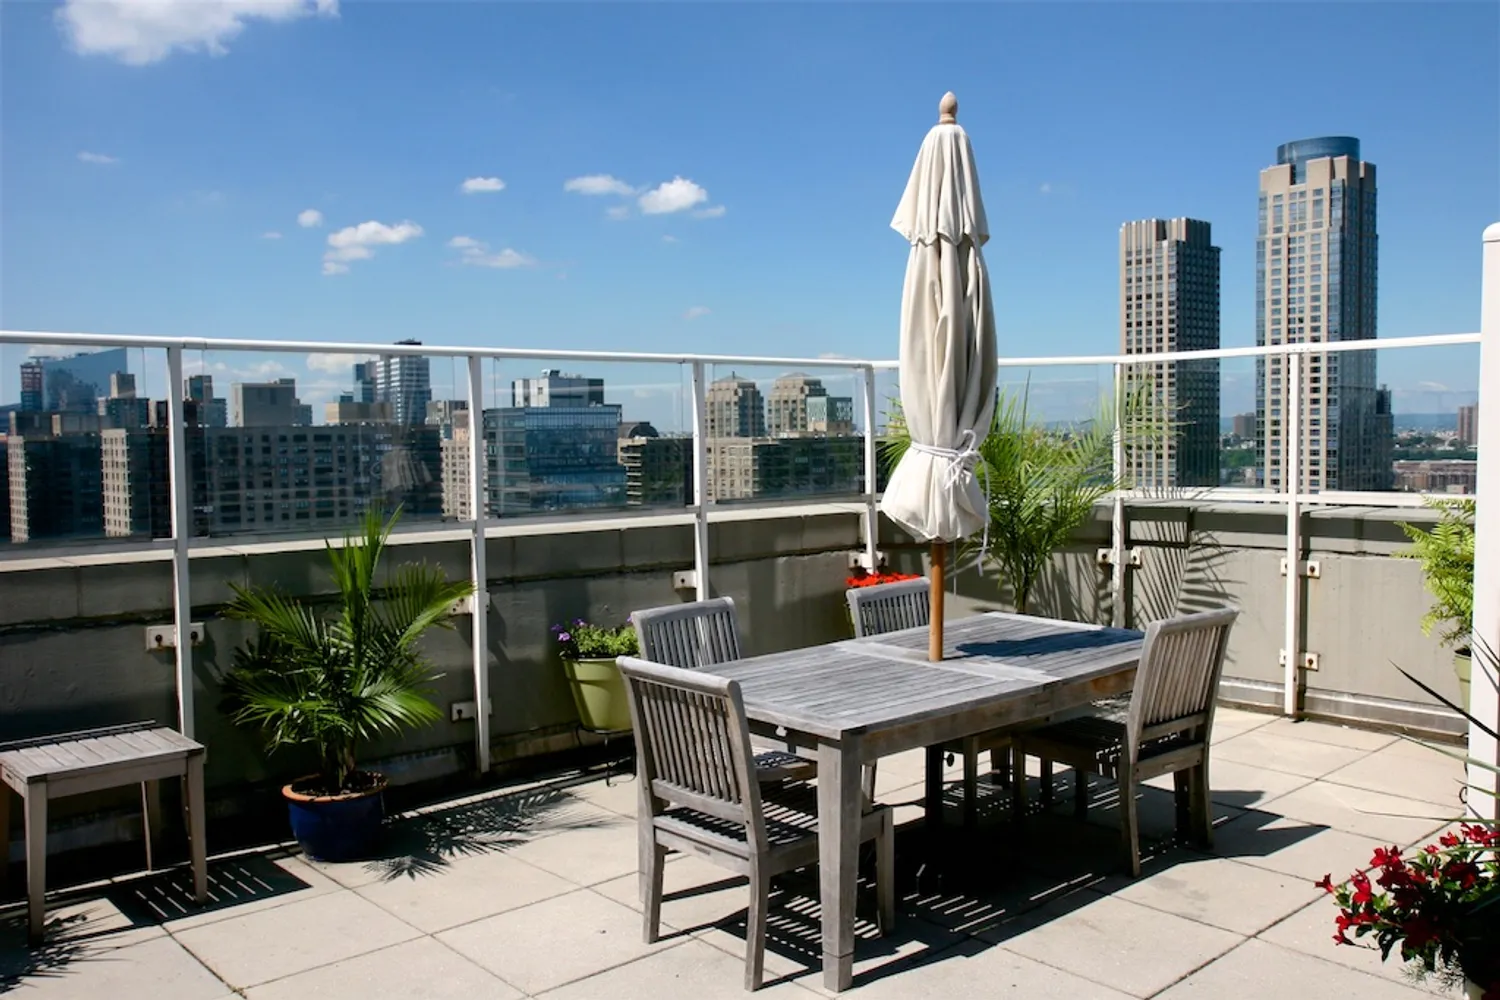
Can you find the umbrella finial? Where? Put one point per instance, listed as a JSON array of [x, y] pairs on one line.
[[948, 109]]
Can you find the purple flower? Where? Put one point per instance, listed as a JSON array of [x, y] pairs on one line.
[[578, 621], [556, 629], [564, 637]]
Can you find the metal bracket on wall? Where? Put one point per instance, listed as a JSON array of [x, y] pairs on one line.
[[861, 560], [165, 636], [1106, 557], [462, 606], [685, 579], [1309, 569], [1308, 661]]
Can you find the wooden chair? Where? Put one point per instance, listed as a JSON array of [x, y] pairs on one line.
[[699, 795], [1166, 730], [891, 607], [701, 634]]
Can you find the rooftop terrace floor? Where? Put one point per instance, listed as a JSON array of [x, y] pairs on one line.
[[530, 890]]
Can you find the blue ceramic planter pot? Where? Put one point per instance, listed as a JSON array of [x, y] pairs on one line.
[[336, 827]]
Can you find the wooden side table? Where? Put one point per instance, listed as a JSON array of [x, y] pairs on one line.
[[51, 767]]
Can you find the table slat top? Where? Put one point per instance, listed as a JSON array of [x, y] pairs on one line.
[[79, 753], [886, 680]]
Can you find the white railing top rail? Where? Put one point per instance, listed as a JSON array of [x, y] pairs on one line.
[[46, 338], [50, 338]]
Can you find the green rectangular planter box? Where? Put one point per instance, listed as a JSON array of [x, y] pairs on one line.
[[599, 693]]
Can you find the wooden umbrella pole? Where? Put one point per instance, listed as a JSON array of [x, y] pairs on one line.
[[935, 627]]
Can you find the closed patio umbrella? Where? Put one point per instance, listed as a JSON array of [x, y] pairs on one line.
[[948, 367]]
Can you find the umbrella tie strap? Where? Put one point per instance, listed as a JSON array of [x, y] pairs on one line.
[[961, 462]]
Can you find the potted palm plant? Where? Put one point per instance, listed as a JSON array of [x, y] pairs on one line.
[[1042, 482], [1447, 557], [331, 680]]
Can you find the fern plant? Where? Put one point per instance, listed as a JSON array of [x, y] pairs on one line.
[[334, 681], [1447, 556]]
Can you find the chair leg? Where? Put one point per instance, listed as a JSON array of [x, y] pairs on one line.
[[1000, 764], [1080, 793], [1046, 781], [1203, 803], [1129, 828], [755, 927], [1018, 782], [1182, 802], [885, 871], [651, 890], [971, 783], [868, 780]]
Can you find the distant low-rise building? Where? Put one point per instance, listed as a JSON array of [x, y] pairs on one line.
[[739, 469], [1243, 426], [1445, 475], [349, 411]]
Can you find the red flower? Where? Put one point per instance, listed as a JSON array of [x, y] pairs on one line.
[[1326, 883], [1384, 858], [1362, 894], [1450, 840]]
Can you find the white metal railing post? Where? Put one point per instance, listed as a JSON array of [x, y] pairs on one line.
[[1484, 695], [478, 570], [700, 479], [1291, 486], [181, 487], [1118, 617], [872, 472]]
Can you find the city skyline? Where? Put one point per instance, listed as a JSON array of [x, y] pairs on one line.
[[521, 175]]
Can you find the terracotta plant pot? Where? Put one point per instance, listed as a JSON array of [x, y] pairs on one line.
[[336, 827], [599, 693]]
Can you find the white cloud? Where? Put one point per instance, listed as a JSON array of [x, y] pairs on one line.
[[309, 217], [355, 242], [99, 158], [476, 253], [695, 312], [674, 195], [716, 212], [139, 33], [668, 238], [617, 212], [1046, 187], [334, 364], [271, 235], [481, 185], [598, 184]]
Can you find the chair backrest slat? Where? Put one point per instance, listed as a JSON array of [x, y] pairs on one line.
[[689, 636], [693, 743], [1177, 681], [890, 607]]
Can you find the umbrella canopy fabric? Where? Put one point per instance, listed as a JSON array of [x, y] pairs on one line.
[[948, 367]]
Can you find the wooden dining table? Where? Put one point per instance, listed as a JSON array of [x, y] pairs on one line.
[[863, 699]]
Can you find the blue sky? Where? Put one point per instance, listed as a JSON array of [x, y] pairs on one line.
[[783, 135]]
